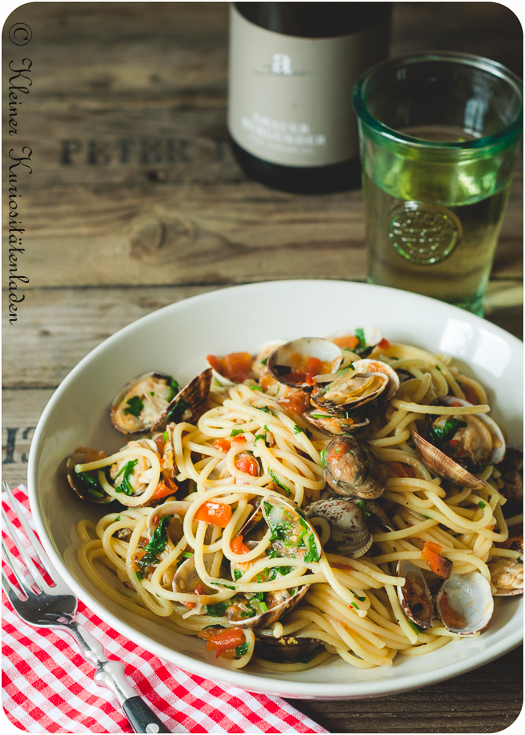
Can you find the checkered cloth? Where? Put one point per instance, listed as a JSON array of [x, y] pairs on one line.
[[48, 686]]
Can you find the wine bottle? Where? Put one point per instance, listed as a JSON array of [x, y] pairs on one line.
[[292, 69]]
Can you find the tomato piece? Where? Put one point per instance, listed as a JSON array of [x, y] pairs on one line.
[[222, 639], [223, 445], [348, 340], [241, 439], [297, 402], [163, 489], [384, 344], [296, 377], [403, 470], [236, 366], [437, 563], [248, 464], [237, 545], [314, 367], [215, 513]]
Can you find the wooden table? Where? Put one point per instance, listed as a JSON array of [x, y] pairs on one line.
[[135, 201]]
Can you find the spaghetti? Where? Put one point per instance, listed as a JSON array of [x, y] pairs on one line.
[[235, 552]]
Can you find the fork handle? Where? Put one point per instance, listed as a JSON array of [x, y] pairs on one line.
[[110, 674]]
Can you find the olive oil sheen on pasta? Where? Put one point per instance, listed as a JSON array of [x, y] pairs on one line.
[[425, 225]]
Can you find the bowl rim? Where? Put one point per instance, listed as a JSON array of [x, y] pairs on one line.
[[261, 682]]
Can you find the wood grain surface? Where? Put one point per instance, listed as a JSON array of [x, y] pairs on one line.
[[135, 201]]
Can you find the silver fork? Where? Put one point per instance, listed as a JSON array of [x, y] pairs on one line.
[[54, 607]]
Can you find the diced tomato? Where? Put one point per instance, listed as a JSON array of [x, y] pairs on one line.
[[403, 470], [296, 402], [240, 439], [237, 545], [162, 490], [384, 344], [470, 394], [349, 340], [215, 513], [222, 639], [159, 441], [248, 464], [296, 377], [437, 563], [236, 366], [314, 367], [223, 445]]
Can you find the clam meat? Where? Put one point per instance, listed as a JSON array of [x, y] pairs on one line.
[[353, 468], [465, 603], [296, 363], [415, 597], [86, 484]]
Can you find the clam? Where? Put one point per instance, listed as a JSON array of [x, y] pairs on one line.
[[506, 576], [414, 596], [465, 603], [177, 510], [336, 424], [440, 464], [349, 534], [365, 382], [86, 484], [511, 468], [186, 577], [150, 401], [289, 362], [278, 603], [286, 649], [472, 440], [291, 534], [353, 468], [138, 405]]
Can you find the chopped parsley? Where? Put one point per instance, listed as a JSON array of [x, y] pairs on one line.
[[237, 574], [256, 387], [264, 360], [241, 650], [139, 575], [361, 599], [134, 406], [414, 627], [312, 553], [354, 605], [442, 434], [297, 429], [218, 610], [366, 514], [438, 368], [187, 554], [156, 544], [278, 482], [264, 408], [165, 436], [90, 484], [482, 504], [236, 432], [126, 472], [178, 410], [323, 457], [174, 389]]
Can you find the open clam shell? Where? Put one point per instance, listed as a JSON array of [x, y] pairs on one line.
[[440, 464], [349, 534], [138, 405], [292, 534], [86, 484], [511, 468], [189, 404], [415, 597], [288, 362], [275, 611], [333, 424], [477, 439], [353, 468], [175, 508], [465, 603], [370, 383], [186, 577]]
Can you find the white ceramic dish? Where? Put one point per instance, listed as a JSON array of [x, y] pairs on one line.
[[176, 340]]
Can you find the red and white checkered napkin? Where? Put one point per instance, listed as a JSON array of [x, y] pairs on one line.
[[49, 687]]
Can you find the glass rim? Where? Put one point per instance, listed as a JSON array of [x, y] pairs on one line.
[[472, 60]]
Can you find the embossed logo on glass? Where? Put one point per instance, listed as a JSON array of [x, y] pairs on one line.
[[424, 233]]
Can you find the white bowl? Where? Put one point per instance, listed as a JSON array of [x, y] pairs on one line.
[[176, 340]]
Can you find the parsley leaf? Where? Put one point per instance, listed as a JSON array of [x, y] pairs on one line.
[[241, 650], [297, 429], [323, 457], [482, 505], [126, 472], [156, 544], [134, 406], [90, 484], [174, 389], [441, 434], [236, 432], [278, 482], [366, 514], [264, 408], [256, 387], [312, 553], [218, 610]]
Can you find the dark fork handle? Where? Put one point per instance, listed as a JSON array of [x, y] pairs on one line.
[[110, 674]]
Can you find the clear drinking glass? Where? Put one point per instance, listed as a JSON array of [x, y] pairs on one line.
[[439, 136]]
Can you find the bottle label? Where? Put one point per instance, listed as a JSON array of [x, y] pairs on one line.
[[290, 98]]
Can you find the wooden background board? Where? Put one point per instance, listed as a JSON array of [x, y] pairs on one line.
[[135, 202]]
